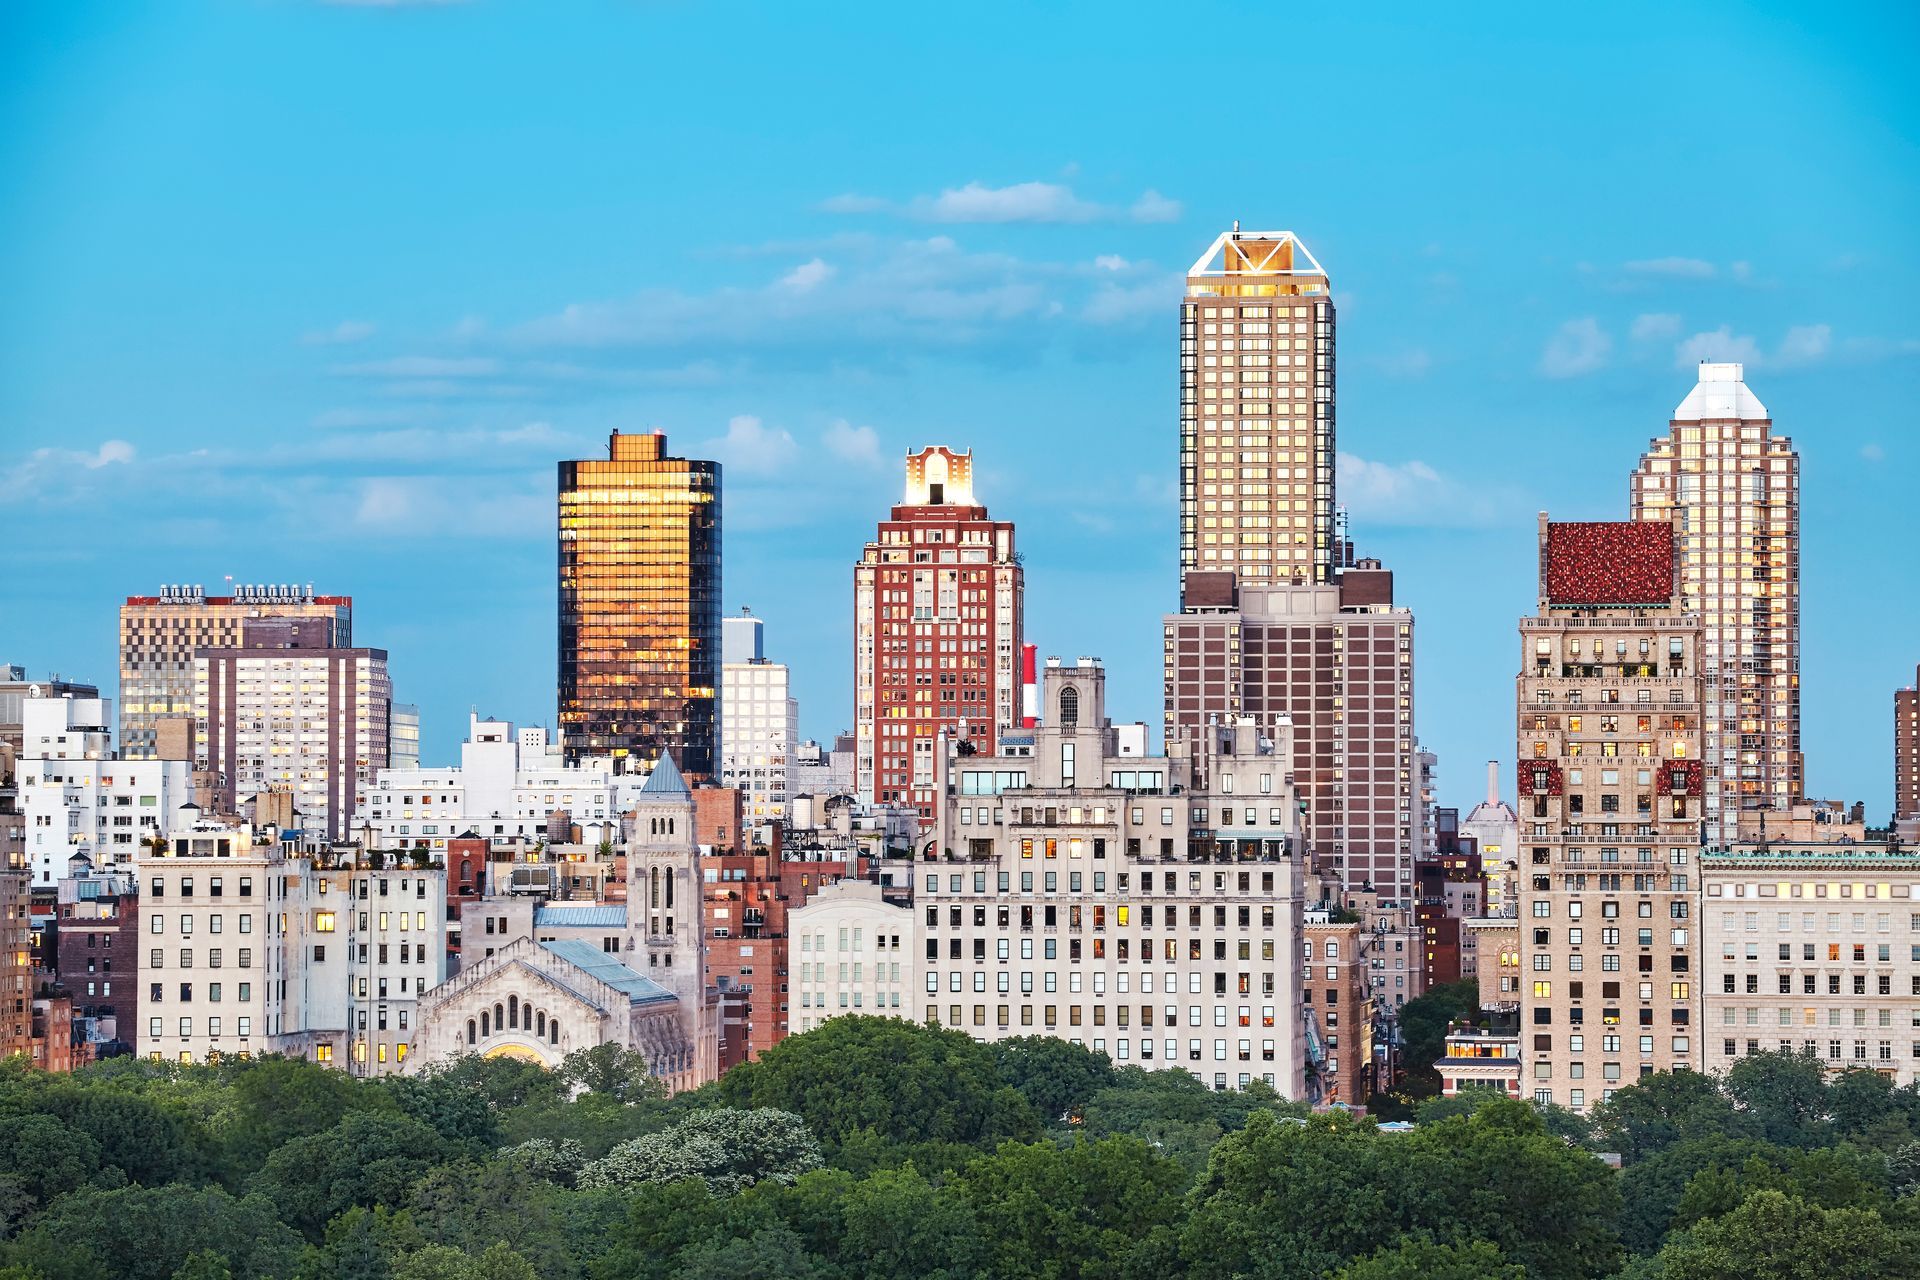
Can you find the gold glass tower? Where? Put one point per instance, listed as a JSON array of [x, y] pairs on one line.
[[1256, 412], [1734, 488], [640, 604]]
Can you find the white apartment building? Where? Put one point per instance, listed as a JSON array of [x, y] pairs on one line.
[[284, 714], [851, 951], [506, 788], [76, 798], [246, 950], [1078, 893], [1810, 943], [759, 720]]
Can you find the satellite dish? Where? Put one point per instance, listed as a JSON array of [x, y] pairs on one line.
[[33, 691]]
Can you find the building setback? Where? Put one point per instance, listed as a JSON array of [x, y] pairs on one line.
[[938, 607], [1906, 753], [639, 566], [1731, 490], [287, 714], [161, 634], [1611, 798], [1337, 661], [759, 720]]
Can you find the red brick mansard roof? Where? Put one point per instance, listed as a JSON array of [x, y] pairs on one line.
[[1608, 563]]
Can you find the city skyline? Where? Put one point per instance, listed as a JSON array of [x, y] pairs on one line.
[[1014, 300]]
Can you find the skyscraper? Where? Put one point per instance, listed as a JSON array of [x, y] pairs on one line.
[[1733, 487], [1607, 726], [759, 720], [1336, 662], [1256, 411], [159, 636], [1906, 751], [290, 722], [938, 602], [1277, 619], [640, 604]]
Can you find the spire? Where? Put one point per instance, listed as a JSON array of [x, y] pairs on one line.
[[1493, 783], [665, 780]]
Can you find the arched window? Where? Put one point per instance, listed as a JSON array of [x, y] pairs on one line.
[[540, 1022], [553, 1031], [513, 1011], [1069, 705], [486, 1027], [499, 1018], [470, 1031]]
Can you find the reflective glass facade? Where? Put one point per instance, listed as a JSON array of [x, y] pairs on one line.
[[640, 604]]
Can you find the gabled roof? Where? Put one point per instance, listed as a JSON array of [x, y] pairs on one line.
[[584, 915], [598, 964], [665, 780]]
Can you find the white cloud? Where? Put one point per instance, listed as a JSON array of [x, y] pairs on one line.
[[927, 291], [751, 447], [1111, 262], [806, 276], [58, 474], [1414, 494], [340, 335], [857, 445], [1113, 304], [1873, 452], [1579, 347], [1020, 202], [1016, 202], [1720, 345], [445, 507], [1655, 327], [1154, 207], [1804, 344], [1673, 268]]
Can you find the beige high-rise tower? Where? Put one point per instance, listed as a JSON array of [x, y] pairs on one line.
[[1732, 488], [1610, 785], [1256, 412]]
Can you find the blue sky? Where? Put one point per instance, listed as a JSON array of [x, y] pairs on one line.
[[319, 292]]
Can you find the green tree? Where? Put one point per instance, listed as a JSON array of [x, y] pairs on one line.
[[771, 1253], [148, 1233], [204, 1265], [1056, 1076], [1773, 1236], [895, 1226], [1832, 1179], [728, 1149], [447, 1105], [906, 1083], [1651, 1188], [43, 1157], [1423, 1025], [442, 1262], [1664, 1108], [1050, 1212], [276, 1099], [1784, 1095], [1282, 1201], [612, 1072], [368, 1159], [1498, 1175], [1423, 1259]]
